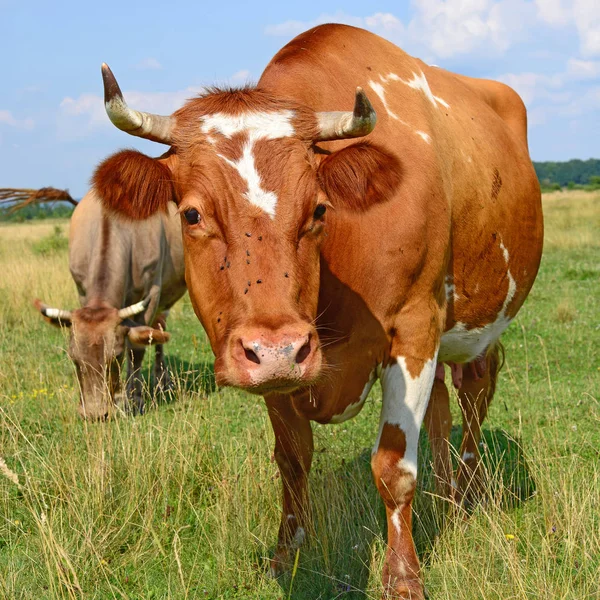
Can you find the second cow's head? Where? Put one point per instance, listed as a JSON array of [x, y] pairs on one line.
[[254, 192]]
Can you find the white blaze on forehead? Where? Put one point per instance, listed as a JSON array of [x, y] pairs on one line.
[[405, 400], [258, 126], [247, 169]]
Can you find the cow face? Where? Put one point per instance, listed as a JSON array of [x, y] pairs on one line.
[[96, 347], [253, 196], [97, 342], [252, 258]]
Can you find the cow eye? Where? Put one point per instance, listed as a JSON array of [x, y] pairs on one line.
[[192, 216], [319, 211]]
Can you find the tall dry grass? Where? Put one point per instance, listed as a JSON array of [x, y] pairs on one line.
[[184, 502], [572, 219]]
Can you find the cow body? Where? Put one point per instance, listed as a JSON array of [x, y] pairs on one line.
[[115, 264], [430, 246]]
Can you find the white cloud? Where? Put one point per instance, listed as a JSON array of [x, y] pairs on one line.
[[552, 12], [448, 28], [443, 28], [149, 64], [583, 14], [583, 69], [7, 118], [382, 23], [240, 78], [581, 104], [551, 97], [532, 86], [586, 14], [453, 27]]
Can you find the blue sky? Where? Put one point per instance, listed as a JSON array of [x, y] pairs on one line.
[[53, 130]]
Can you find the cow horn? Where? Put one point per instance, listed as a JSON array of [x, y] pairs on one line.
[[134, 309], [145, 125], [341, 124], [56, 313]]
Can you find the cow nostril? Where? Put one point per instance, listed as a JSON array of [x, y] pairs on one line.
[[303, 352], [251, 356]]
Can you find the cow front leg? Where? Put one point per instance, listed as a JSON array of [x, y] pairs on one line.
[[135, 358], [406, 384], [293, 454], [162, 378]]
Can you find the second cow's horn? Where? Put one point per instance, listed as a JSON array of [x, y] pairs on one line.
[[134, 309]]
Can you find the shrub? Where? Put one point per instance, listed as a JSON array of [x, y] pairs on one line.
[[55, 242]]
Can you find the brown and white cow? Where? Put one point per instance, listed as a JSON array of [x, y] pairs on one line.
[[127, 275], [318, 264]]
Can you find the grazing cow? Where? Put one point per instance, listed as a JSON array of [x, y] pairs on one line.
[[126, 276], [318, 264]]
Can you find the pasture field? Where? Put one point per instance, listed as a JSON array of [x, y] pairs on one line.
[[184, 502]]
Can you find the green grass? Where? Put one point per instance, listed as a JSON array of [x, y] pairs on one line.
[[184, 502]]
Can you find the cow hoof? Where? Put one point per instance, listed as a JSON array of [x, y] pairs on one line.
[[281, 562], [411, 589], [164, 383], [404, 593]]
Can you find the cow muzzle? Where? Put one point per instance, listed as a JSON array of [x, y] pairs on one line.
[[273, 361]]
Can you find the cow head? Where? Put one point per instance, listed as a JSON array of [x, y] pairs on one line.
[[96, 347], [253, 192]]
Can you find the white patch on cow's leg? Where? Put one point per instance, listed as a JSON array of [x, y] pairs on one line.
[[353, 409], [467, 456], [450, 289], [396, 519], [404, 403]]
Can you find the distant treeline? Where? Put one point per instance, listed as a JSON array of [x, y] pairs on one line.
[[58, 210], [573, 174]]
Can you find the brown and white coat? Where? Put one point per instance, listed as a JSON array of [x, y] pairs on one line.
[[317, 264]]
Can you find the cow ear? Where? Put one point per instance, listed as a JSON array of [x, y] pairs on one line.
[[133, 184], [359, 176], [146, 336]]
